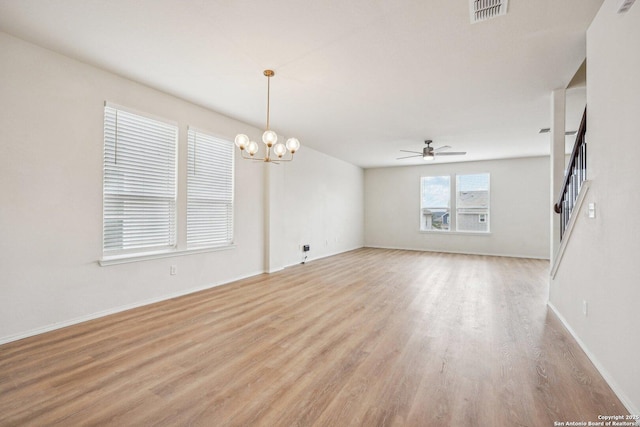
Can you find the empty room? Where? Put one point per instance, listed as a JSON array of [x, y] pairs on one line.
[[329, 213]]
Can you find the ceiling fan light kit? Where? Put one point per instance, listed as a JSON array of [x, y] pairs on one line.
[[269, 138]]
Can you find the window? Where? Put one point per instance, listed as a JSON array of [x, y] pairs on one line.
[[435, 205], [471, 203], [209, 190], [139, 183]]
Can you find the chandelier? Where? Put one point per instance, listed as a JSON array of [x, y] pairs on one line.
[[270, 139]]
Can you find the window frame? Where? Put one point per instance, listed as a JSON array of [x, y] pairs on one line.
[[478, 208], [453, 209], [446, 209]]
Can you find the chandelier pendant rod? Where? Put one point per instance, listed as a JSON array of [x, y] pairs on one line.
[[269, 74]]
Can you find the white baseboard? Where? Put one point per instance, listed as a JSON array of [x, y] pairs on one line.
[[634, 410], [92, 316], [458, 252], [327, 255]]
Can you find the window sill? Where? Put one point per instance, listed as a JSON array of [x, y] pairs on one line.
[[463, 233], [127, 258]]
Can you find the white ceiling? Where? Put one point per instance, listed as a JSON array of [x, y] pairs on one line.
[[355, 79]]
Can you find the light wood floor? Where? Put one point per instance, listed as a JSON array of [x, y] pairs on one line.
[[370, 337]]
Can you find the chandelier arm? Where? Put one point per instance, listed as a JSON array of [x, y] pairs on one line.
[[283, 159], [244, 156], [267, 158]]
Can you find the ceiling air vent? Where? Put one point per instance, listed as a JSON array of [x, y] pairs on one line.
[[481, 10], [567, 133], [625, 5]]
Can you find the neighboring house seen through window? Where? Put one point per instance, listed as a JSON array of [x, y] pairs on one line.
[[435, 208], [471, 203]]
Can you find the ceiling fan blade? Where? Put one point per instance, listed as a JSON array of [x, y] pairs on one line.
[[407, 157], [452, 153], [415, 152], [444, 147]]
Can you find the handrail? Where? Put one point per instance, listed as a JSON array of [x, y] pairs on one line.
[[580, 141], [575, 176]]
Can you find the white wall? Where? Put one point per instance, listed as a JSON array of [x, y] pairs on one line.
[[601, 265], [51, 143], [519, 208], [324, 205]]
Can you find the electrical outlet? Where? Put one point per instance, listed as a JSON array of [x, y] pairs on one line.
[[306, 248], [585, 307], [173, 270]]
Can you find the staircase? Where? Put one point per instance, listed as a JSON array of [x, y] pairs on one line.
[[575, 176]]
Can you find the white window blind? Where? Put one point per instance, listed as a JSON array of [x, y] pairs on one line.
[[139, 188], [209, 190]]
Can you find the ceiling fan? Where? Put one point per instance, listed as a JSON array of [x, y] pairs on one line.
[[430, 153]]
